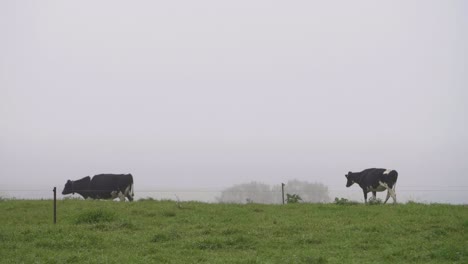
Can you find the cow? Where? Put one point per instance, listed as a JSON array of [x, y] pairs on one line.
[[374, 180], [102, 186]]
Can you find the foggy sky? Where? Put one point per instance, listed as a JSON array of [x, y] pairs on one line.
[[207, 94]]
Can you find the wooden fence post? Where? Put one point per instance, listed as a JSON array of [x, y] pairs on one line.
[[55, 205], [282, 191]]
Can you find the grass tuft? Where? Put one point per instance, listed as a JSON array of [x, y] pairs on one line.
[[315, 260], [169, 213], [95, 216], [162, 237]]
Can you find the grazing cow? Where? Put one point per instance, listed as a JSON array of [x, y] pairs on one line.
[[102, 186], [374, 180]]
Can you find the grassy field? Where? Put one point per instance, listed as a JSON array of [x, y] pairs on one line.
[[169, 232]]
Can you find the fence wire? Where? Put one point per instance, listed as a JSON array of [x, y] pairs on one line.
[[427, 194]]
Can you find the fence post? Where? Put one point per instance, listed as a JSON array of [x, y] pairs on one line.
[[55, 205], [282, 191]]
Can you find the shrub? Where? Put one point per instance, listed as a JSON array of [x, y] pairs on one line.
[[293, 198], [412, 202], [146, 199], [375, 201], [344, 201]]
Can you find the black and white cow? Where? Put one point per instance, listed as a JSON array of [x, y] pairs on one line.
[[374, 180], [102, 186]]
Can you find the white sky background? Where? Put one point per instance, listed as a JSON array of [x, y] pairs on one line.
[[207, 94]]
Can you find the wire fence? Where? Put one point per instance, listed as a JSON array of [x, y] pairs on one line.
[[423, 194]]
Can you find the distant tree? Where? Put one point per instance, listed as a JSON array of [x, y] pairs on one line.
[[256, 192], [309, 192], [253, 192]]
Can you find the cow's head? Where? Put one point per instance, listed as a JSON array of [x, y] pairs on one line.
[[350, 179], [68, 188]]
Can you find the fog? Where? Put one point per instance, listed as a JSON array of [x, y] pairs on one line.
[[203, 95]]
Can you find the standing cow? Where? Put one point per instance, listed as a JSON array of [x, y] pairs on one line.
[[102, 186], [374, 180]]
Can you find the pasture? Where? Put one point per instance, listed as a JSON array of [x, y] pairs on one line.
[[190, 232]]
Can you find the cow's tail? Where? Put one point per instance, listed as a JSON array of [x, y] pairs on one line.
[[395, 175], [130, 193]]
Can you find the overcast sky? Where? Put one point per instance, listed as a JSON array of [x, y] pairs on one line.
[[207, 94]]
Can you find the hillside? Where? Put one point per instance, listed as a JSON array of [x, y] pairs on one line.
[[168, 232]]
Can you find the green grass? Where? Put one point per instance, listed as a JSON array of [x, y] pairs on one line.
[[168, 232]]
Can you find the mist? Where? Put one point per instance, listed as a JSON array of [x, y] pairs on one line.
[[206, 95]]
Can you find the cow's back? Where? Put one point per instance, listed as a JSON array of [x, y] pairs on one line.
[[104, 184], [371, 177]]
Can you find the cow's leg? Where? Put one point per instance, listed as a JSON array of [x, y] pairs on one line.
[[388, 196], [365, 197], [128, 193], [389, 192], [393, 194], [374, 196], [121, 197], [114, 194]]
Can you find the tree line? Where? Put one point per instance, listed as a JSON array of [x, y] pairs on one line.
[[257, 192]]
